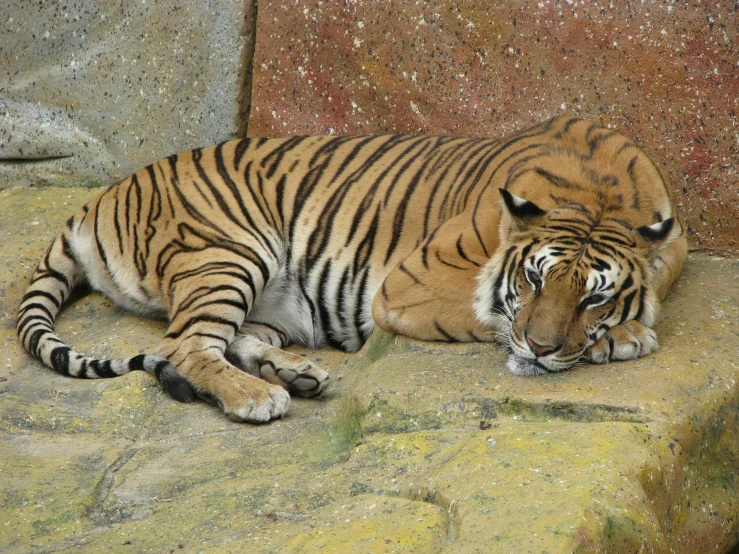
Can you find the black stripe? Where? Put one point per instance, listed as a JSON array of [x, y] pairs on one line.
[[627, 306], [172, 182], [513, 171], [66, 247], [302, 193], [341, 299], [258, 196], [460, 152], [59, 359], [161, 366], [117, 224], [239, 151], [557, 180], [324, 309], [359, 304], [279, 196], [101, 250], [425, 247], [218, 242], [155, 207], [367, 244], [463, 254], [509, 261], [328, 149], [279, 332], [202, 319], [275, 157], [229, 182], [405, 270], [206, 291], [43, 293], [566, 127], [473, 164], [48, 316], [210, 336], [402, 208], [220, 302], [448, 264], [102, 368], [197, 155], [595, 142], [443, 333], [321, 235], [137, 363], [642, 295], [373, 160], [35, 343], [218, 267], [133, 227]]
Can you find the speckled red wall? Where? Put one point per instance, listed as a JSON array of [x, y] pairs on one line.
[[664, 72]]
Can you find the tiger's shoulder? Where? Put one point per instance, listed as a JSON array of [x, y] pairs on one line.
[[571, 161]]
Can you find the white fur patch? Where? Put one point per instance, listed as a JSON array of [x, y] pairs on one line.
[[484, 293], [119, 281], [283, 306]]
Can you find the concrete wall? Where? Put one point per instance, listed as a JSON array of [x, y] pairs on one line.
[[664, 72], [92, 90]]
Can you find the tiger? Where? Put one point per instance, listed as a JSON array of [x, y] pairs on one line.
[[560, 241]]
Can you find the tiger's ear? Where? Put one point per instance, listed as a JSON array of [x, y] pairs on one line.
[[521, 213], [652, 236]]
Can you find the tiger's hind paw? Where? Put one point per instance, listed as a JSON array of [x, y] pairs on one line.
[[292, 372], [627, 341]]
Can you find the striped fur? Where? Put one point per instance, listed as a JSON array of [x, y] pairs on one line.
[[257, 243]]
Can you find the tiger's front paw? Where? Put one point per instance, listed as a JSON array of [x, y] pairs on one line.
[[627, 341], [252, 400], [290, 371], [302, 379]]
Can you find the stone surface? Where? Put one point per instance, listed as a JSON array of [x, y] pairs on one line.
[[664, 73], [91, 90], [416, 447]]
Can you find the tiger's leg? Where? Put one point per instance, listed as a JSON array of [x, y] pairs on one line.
[[429, 295], [667, 265], [632, 339], [207, 309], [257, 350]]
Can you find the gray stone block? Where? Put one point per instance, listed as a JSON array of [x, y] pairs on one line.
[[92, 90]]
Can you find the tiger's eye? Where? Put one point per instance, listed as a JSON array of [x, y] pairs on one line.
[[593, 301], [534, 279]]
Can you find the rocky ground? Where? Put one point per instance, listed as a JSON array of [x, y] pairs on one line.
[[416, 447]]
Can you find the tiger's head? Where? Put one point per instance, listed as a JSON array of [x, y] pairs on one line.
[[561, 278]]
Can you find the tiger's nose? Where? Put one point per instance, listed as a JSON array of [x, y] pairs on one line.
[[541, 349]]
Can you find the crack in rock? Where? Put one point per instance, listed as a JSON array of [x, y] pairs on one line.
[[571, 411], [105, 485], [440, 501]]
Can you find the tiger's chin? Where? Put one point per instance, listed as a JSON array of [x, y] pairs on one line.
[[524, 367]]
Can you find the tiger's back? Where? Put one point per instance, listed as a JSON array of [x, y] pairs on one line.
[[323, 219], [256, 243]]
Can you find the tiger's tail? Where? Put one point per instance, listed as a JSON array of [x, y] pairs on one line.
[[51, 285]]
